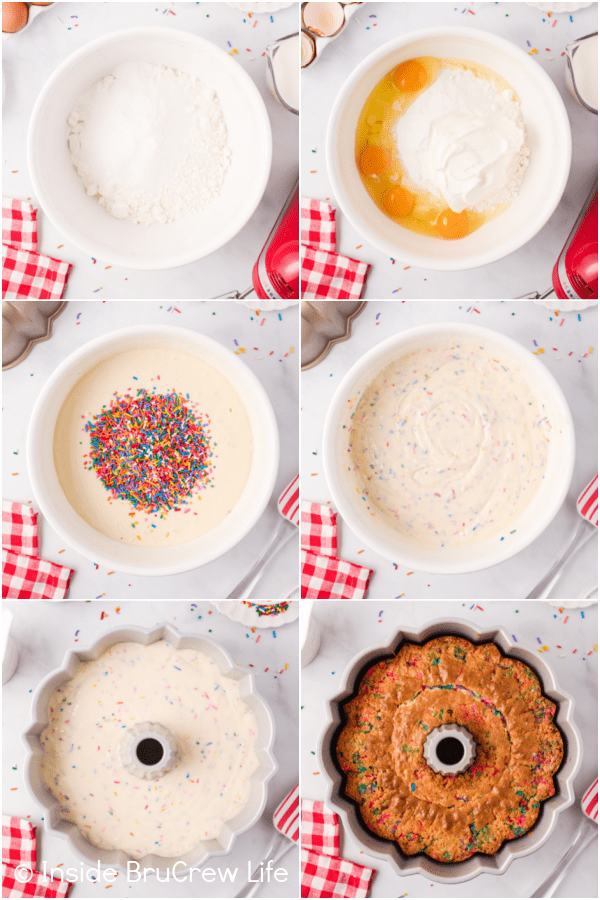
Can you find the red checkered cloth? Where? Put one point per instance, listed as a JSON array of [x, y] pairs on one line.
[[325, 273], [322, 874], [19, 224], [331, 276], [19, 528], [323, 576], [320, 828], [287, 815], [27, 274], [18, 842], [24, 574], [318, 531], [19, 875], [317, 223]]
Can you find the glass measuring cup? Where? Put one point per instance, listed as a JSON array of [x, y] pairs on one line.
[[579, 73], [283, 71]]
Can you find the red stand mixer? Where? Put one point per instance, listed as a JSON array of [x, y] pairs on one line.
[[276, 272], [575, 273]]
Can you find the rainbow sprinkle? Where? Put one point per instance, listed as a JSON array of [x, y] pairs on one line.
[[268, 609], [151, 449]]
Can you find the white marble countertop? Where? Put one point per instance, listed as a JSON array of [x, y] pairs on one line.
[[45, 631], [29, 58], [528, 269], [578, 377], [347, 627], [272, 362]]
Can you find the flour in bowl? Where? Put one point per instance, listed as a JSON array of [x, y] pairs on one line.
[[149, 143]]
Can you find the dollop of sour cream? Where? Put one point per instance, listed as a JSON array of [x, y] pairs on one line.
[[468, 157], [464, 140]]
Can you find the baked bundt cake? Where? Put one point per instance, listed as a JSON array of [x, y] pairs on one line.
[[498, 700]]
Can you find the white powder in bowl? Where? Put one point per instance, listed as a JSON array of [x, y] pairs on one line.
[[149, 143], [464, 140]]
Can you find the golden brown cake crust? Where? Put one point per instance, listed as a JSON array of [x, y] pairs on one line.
[[449, 817]]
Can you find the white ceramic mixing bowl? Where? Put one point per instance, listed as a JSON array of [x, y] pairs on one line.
[[548, 137], [152, 560], [379, 533], [82, 220]]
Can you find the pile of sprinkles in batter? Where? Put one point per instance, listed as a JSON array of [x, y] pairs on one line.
[[151, 449]]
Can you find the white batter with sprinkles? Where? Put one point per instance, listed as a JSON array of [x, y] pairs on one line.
[[182, 690], [153, 447], [449, 444]]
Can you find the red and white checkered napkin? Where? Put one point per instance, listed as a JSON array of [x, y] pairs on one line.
[[325, 273], [24, 574], [323, 576], [589, 803], [19, 875], [289, 502], [27, 274], [287, 815], [587, 504], [317, 224], [323, 872]]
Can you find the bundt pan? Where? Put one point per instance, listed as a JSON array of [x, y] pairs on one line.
[[479, 863], [245, 819]]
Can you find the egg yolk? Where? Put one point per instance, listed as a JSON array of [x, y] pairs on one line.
[[398, 201], [410, 76], [452, 225], [374, 161]]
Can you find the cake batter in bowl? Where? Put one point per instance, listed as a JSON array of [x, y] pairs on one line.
[[107, 486], [448, 448]]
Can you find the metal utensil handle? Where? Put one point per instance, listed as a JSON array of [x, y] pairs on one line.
[[581, 535], [235, 295], [586, 832], [535, 295], [284, 531], [275, 851]]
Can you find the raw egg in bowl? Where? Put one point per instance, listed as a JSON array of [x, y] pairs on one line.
[[384, 207]]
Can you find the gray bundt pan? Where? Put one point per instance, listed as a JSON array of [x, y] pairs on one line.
[[389, 851], [245, 819]]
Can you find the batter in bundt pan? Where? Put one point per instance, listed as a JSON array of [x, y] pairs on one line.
[[498, 700]]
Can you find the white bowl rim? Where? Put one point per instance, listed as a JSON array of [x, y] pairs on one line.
[[179, 258], [364, 365], [38, 487], [535, 224], [161, 631]]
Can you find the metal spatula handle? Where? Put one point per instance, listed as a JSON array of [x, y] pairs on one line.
[[277, 848], [283, 532], [581, 535], [586, 832], [235, 295]]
